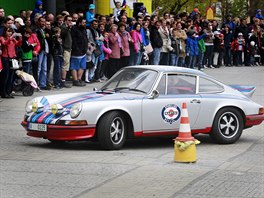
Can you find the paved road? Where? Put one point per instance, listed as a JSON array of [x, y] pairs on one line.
[[144, 168]]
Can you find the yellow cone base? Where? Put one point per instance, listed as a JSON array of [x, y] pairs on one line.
[[189, 155]]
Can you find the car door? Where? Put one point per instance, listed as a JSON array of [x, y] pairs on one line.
[[162, 114]]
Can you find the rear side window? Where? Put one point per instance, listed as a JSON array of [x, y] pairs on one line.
[[206, 86]]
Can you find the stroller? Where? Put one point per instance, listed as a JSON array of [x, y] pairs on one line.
[[25, 83]]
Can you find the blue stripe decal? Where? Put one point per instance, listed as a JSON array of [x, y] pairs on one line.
[[48, 119]]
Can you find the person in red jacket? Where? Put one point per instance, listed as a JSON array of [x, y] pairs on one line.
[[238, 46], [9, 44]]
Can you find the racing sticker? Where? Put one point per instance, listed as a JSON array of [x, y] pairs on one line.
[[171, 113]]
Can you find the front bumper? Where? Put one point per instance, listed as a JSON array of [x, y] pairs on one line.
[[252, 120], [59, 132]]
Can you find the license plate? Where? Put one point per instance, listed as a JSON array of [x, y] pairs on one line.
[[37, 127]]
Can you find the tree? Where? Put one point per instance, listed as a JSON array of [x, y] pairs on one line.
[[174, 6]]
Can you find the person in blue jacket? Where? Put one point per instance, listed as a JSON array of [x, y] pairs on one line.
[[38, 9], [192, 48], [90, 15], [259, 15]]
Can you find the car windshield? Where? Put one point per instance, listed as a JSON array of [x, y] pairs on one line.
[[131, 79]]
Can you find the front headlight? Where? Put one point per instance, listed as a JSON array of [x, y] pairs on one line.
[[34, 106], [76, 110], [29, 106], [56, 109]]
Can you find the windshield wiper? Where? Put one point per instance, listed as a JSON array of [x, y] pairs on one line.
[[130, 89]]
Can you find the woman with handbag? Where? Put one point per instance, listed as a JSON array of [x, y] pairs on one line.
[[9, 44]]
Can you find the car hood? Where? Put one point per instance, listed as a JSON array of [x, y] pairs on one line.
[[68, 100]]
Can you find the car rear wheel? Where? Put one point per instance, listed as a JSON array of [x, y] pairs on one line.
[[227, 126], [111, 131]]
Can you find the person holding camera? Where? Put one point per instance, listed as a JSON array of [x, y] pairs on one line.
[[9, 44]]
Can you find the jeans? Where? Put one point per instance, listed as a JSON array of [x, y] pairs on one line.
[[192, 61], [92, 70], [135, 58], [173, 59], [27, 67], [42, 69], [58, 61], [181, 62], [138, 57], [200, 60], [155, 57]]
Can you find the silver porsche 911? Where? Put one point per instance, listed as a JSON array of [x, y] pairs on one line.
[[145, 101]]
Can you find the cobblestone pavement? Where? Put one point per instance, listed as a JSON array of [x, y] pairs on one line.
[[144, 168]]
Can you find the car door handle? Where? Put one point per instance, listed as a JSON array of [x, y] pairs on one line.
[[195, 101]]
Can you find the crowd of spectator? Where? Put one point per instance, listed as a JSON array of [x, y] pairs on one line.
[[85, 47]]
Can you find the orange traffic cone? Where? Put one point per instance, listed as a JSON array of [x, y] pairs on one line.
[[184, 145], [185, 130]]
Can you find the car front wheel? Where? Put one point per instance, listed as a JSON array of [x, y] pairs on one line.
[[112, 131], [227, 126]]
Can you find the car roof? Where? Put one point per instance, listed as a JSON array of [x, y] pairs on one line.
[[164, 68]]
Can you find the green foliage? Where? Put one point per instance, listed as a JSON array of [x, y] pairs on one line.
[[237, 8]]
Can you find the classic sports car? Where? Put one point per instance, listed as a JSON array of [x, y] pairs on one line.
[[145, 101]]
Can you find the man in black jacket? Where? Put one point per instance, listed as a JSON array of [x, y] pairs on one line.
[[78, 53], [156, 42]]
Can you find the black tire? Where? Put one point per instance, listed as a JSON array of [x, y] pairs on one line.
[[28, 91], [111, 131], [227, 126]]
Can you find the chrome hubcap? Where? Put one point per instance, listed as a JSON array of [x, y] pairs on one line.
[[228, 124], [117, 130]]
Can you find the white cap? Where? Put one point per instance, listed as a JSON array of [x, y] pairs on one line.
[[252, 43], [216, 32], [20, 21], [240, 34]]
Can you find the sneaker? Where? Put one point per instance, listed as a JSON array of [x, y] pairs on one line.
[[87, 81], [45, 88], [58, 87], [97, 80], [201, 69], [77, 83], [82, 83], [205, 66], [66, 84], [211, 66]]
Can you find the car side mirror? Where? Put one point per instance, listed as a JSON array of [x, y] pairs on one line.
[[154, 94]]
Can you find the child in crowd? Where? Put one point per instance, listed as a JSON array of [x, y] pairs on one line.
[[238, 46], [27, 51], [192, 47], [117, 10], [89, 63]]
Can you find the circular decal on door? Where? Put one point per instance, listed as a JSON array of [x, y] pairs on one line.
[[171, 113]]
